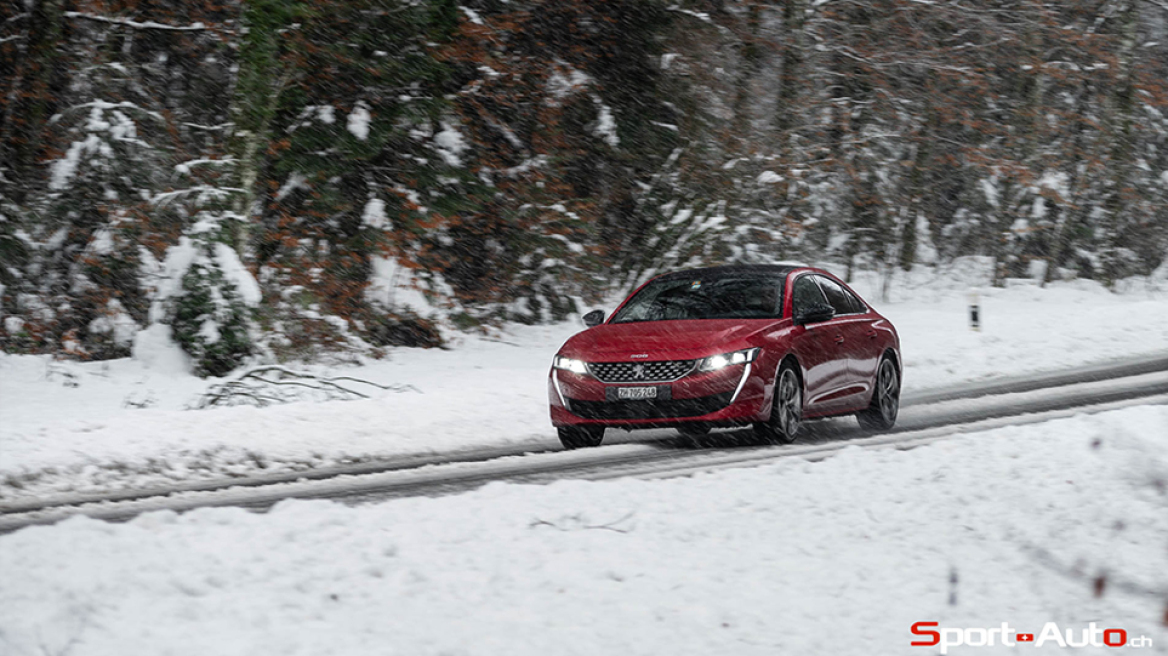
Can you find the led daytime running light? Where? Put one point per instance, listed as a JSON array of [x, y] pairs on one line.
[[716, 362], [568, 364]]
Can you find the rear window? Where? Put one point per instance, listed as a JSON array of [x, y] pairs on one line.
[[717, 298]]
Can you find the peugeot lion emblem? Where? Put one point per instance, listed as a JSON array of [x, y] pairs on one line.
[[639, 371]]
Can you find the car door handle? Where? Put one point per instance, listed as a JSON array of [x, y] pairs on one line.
[[839, 339], [872, 334]]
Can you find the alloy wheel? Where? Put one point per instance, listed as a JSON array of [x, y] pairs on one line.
[[889, 392], [885, 406], [788, 405], [786, 411]]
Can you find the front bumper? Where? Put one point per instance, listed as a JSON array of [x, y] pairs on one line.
[[731, 396]]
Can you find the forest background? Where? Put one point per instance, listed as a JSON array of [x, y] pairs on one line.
[[286, 179]]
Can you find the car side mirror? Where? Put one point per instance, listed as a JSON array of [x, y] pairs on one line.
[[814, 313], [594, 318]]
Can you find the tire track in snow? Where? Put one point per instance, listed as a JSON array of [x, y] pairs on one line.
[[924, 419]]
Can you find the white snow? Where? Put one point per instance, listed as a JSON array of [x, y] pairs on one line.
[[359, 119], [102, 242], [926, 251], [414, 198], [483, 390], [65, 168], [154, 354], [700, 15], [152, 25], [606, 124], [769, 177], [450, 145], [682, 216], [374, 214], [560, 85], [393, 287], [472, 15], [116, 323], [1058, 181], [209, 331], [237, 274], [836, 557], [990, 188], [295, 181], [168, 277]]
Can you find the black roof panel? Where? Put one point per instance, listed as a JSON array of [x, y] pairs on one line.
[[734, 271]]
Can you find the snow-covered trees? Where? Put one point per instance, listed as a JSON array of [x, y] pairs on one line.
[[96, 117], [561, 107], [379, 169], [899, 132]]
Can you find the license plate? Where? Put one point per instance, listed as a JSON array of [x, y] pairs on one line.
[[636, 393]]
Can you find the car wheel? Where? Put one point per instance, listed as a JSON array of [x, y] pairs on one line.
[[576, 437], [787, 411], [881, 413]]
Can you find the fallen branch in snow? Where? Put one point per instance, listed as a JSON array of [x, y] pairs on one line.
[[139, 401], [577, 522], [273, 384]]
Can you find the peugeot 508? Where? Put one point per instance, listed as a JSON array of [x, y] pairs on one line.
[[760, 345]]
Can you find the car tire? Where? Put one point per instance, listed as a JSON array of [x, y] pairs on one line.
[[881, 413], [578, 437], [786, 411]]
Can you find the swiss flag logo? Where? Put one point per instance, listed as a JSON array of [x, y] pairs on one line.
[[1025, 637]]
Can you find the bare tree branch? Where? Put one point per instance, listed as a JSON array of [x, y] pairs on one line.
[[148, 25]]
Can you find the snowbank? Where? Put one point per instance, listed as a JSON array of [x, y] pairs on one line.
[[837, 557]]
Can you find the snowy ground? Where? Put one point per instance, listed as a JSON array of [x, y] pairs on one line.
[[837, 557], [68, 427]]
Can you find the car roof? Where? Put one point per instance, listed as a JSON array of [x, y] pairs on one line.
[[734, 271]]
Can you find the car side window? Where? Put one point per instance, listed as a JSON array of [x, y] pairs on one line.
[[839, 298], [804, 294], [858, 306]]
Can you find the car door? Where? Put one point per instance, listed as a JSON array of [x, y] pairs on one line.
[[859, 344], [817, 347]]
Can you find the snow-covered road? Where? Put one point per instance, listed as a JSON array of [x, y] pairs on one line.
[[835, 557], [964, 411]]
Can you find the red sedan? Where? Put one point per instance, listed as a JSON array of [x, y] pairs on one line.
[[761, 345]]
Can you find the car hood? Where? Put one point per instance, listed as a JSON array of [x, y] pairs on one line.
[[665, 340]]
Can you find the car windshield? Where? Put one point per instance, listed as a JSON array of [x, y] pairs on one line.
[[692, 298]]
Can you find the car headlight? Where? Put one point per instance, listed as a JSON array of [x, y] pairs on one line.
[[568, 364], [716, 362]]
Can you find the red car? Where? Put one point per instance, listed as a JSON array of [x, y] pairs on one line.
[[761, 345]]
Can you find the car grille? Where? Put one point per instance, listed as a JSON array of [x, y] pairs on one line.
[[663, 371], [660, 409]]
